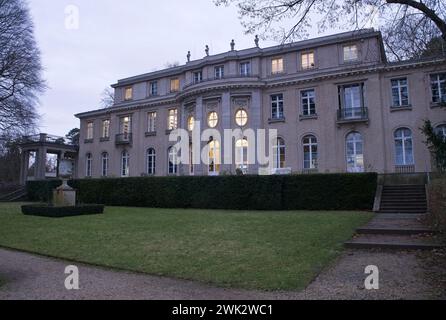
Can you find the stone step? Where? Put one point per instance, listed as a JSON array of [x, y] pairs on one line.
[[396, 242], [394, 231], [415, 212]]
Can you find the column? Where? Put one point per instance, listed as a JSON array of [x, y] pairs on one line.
[[226, 124], [199, 169], [41, 163]]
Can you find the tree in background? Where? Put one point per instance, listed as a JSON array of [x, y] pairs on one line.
[[73, 136], [107, 98], [436, 143], [20, 69], [9, 160], [408, 26]]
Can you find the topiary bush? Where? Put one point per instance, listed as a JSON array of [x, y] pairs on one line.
[[60, 212]]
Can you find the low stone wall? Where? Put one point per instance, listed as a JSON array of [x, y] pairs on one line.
[[437, 203]]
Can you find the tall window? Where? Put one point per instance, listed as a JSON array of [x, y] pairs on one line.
[[151, 161], [441, 131], [241, 117], [307, 60], [400, 92], [277, 106], [172, 160], [241, 155], [404, 147], [128, 93], [191, 123], [438, 85], [310, 152], [104, 164], [125, 125], [277, 65], [198, 77], [172, 121], [191, 159], [308, 98], [88, 165], [90, 129], [153, 88], [105, 129], [350, 53], [279, 150], [125, 164], [175, 85], [151, 121], [219, 72], [214, 157], [355, 154], [245, 69], [213, 119], [351, 101]]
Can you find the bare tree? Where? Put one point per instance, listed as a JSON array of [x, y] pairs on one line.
[[407, 25], [107, 98], [20, 68]]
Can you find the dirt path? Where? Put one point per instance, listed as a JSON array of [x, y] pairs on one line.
[[403, 276]]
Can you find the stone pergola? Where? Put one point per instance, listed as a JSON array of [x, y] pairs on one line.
[[42, 145]]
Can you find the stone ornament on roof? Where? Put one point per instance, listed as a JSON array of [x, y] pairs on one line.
[[188, 56], [256, 41], [207, 50], [232, 45]]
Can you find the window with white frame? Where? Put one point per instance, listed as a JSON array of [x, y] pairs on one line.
[[400, 92], [88, 165], [310, 152], [125, 125], [153, 88], [90, 130], [241, 117], [198, 76], [104, 164], [125, 164], [441, 131], [351, 53], [128, 93], [279, 151], [438, 87], [277, 106], [241, 155], [214, 157], [106, 129], [308, 101], [151, 121], [175, 85], [219, 72], [352, 100], [245, 69], [212, 119], [277, 65], [307, 60], [404, 147], [151, 161], [172, 120], [355, 152], [172, 164]]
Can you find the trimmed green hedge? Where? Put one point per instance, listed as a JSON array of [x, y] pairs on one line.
[[293, 192], [61, 212]]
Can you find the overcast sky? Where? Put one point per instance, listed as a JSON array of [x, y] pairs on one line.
[[118, 39]]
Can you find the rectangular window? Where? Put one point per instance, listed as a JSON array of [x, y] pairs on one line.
[[198, 77], [153, 88], [219, 72], [90, 129], [307, 61], [351, 53], [438, 85], [245, 69], [151, 122], [174, 85], [128, 93], [308, 98], [400, 93], [125, 125], [105, 129], [351, 101], [172, 121], [277, 65], [277, 106]]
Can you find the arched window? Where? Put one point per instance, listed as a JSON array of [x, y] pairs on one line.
[[125, 164], [172, 160], [104, 164], [241, 155], [279, 150], [214, 157], [191, 123], [355, 153], [310, 152], [241, 117], [151, 161], [404, 147], [213, 119], [88, 165], [441, 130]]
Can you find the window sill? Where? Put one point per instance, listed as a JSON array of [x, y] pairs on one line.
[[435, 105], [151, 134], [88, 141], [277, 74], [400, 108], [308, 117], [278, 120], [104, 139]]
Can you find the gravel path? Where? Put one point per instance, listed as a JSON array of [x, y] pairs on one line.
[[403, 276]]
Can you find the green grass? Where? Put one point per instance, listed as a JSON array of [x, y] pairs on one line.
[[242, 249]]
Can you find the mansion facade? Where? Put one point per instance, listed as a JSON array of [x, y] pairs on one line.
[[336, 102]]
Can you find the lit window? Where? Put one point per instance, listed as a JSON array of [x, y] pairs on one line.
[[172, 160], [214, 157], [438, 85], [88, 165], [241, 155], [241, 117], [219, 72], [404, 147], [151, 161], [245, 69], [213, 119], [277, 106], [125, 125], [307, 60], [125, 164], [277, 65], [308, 98], [191, 123], [400, 93], [174, 85], [355, 153], [310, 152], [279, 150], [172, 121], [105, 129], [153, 91], [198, 77], [90, 129], [151, 122], [350, 53], [128, 93], [104, 163]]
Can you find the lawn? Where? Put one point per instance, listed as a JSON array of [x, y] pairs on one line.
[[241, 249]]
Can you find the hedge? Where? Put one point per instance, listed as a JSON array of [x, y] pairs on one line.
[[60, 212], [293, 192]]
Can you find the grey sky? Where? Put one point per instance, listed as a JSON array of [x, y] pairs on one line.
[[117, 39]]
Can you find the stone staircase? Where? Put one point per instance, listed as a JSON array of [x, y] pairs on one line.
[[407, 199]]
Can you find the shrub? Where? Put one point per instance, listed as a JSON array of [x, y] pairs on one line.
[[437, 203], [60, 212], [294, 192]]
